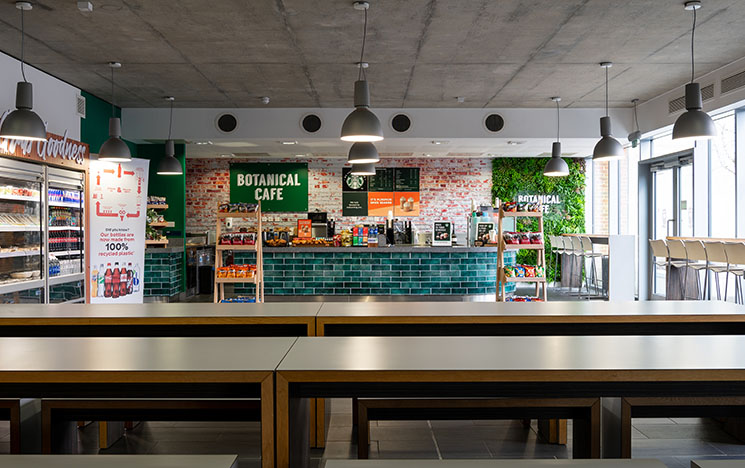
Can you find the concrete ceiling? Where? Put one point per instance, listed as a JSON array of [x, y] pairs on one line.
[[422, 53]]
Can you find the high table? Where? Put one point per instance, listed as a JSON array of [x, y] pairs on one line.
[[146, 368], [619, 278], [551, 366], [159, 319]]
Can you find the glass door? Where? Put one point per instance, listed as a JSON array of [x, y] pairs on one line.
[[65, 236], [21, 246]]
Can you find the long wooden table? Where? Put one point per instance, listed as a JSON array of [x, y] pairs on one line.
[[118, 461], [550, 366], [523, 319], [179, 319], [147, 368]]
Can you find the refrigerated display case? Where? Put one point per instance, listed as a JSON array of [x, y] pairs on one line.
[[22, 278], [65, 235]]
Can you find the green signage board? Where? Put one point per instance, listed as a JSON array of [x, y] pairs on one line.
[[281, 187], [382, 181], [407, 179]]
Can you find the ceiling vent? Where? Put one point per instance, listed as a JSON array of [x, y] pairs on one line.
[[80, 106], [226, 123], [401, 123], [679, 104], [733, 82], [494, 122], [311, 123]]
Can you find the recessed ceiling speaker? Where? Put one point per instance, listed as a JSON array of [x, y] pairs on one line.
[[494, 122], [227, 123], [401, 123], [311, 123]]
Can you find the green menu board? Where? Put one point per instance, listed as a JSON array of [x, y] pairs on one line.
[[383, 180], [407, 179], [281, 187]]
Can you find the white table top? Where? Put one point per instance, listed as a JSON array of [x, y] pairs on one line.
[[159, 310], [610, 463], [717, 463], [569, 308], [117, 461], [142, 354], [528, 353]]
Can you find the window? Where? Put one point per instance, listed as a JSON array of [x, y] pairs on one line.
[[722, 186], [664, 144]]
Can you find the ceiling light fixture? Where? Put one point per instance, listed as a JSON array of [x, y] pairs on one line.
[[362, 124], [289, 142], [636, 135], [694, 123], [608, 148], [363, 152], [23, 123], [556, 166], [169, 165], [366, 169], [114, 149]]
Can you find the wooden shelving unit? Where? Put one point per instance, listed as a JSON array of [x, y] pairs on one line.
[[540, 281], [157, 207], [258, 278]]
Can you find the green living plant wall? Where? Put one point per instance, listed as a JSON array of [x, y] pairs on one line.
[[514, 176]]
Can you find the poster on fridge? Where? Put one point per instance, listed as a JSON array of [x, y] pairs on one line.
[[118, 208]]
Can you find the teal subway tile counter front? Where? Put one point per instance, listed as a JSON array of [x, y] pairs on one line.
[[163, 267], [382, 271]]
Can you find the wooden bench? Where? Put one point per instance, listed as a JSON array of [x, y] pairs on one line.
[[608, 463], [584, 411], [10, 410], [59, 417], [119, 461], [681, 407]]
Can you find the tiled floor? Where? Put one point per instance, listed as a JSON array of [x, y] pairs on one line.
[[674, 441]]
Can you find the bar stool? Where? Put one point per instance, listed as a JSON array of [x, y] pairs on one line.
[[578, 253], [557, 249], [736, 256], [588, 252], [676, 249], [718, 263], [697, 261]]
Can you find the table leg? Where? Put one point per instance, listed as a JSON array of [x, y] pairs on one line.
[[267, 422], [15, 429], [586, 434], [610, 427], [320, 423]]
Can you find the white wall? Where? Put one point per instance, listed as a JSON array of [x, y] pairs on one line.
[[54, 100]]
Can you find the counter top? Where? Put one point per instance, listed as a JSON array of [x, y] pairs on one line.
[[164, 250], [396, 248]]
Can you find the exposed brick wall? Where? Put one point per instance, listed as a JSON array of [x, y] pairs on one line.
[[446, 185]]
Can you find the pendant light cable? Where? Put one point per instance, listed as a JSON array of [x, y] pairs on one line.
[[693, 35], [23, 35], [361, 73], [113, 112], [558, 121], [170, 122], [606, 91], [636, 116]]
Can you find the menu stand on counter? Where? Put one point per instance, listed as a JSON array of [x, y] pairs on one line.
[[258, 277], [502, 279]]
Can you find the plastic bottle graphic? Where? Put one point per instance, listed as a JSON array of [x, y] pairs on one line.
[[115, 277], [94, 282], [136, 278], [123, 281], [108, 280], [101, 281], [130, 278]]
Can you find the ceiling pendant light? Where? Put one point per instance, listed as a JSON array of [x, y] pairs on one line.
[[694, 123], [556, 166], [169, 165], [364, 169], [608, 148], [636, 135], [362, 124], [114, 149], [363, 152], [23, 123]]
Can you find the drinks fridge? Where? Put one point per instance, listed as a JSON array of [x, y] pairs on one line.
[[41, 234]]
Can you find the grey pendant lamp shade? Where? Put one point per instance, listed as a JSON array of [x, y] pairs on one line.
[[365, 169], [608, 148], [169, 165], [694, 123], [556, 166], [362, 124], [363, 152], [114, 149], [23, 123]]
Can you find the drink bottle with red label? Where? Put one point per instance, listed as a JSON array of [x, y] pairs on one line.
[[123, 281], [107, 280], [115, 285], [130, 278]]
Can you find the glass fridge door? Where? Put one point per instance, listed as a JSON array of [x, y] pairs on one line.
[[21, 246], [65, 235]]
